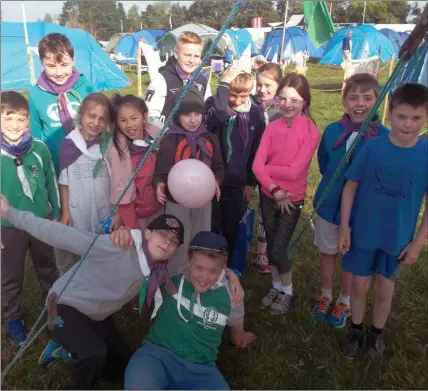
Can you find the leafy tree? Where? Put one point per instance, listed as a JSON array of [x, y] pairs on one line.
[[376, 12], [48, 18], [70, 13], [398, 11], [414, 13], [156, 16], [121, 16], [134, 19]]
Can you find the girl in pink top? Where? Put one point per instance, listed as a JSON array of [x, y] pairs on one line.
[[281, 166]]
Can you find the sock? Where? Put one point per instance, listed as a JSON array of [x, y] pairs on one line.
[[327, 293], [276, 285], [357, 326], [376, 331], [342, 299], [287, 289]]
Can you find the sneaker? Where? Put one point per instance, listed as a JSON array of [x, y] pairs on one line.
[[17, 334], [53, 352], [262, 264], [268, 300], [353, 341], [321, 308], [283, 304], [340, 314], [375, 346]]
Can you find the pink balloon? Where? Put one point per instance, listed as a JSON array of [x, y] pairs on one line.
[[191, 183]]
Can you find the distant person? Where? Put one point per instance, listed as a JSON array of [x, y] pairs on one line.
[[228, 56], [175, 74], [55, 99], [347, 46]]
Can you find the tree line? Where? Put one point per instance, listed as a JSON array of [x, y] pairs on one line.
[[104, 18]]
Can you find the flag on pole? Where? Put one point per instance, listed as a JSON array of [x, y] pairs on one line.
[[319, 25]]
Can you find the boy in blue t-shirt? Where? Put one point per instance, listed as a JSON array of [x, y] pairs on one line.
[[359, 96], [386, 186]]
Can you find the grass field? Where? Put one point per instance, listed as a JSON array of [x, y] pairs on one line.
[[292, 351]]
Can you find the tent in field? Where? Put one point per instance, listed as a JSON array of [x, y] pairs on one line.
[[366, 42], [207, 34], [240, 40], [90, 59], [397, 38], [296, 40], [126, 49]]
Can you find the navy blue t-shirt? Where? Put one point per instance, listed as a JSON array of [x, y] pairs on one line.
[[346, 43], [392, 184]]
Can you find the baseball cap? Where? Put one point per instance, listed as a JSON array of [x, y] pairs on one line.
[[169, 223], [206, 240]]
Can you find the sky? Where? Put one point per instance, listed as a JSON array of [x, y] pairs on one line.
[[12, 10]]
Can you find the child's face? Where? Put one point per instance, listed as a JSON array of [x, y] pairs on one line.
[[14, 125], [236, 100], [130, 122], [266, 88], [406, 122], [358, 104], [188, 56], [94, 121], [203, 271], [290, 102], [161, 243], [58, 72], [190, 121]]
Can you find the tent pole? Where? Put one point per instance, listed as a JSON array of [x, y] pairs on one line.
[[283, 33], [29, 54], [385, 104], [140, 94]]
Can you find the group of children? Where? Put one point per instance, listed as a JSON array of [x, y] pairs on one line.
[[82, 149]]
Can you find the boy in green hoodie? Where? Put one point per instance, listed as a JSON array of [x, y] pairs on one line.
[[55, 99]]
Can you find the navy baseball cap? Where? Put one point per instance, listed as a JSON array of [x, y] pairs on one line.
[[169, 223], [206, 240]]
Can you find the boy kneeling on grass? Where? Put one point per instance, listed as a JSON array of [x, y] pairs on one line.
[[181, 348]]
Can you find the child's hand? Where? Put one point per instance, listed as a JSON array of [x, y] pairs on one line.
[[344, 239], [248, 193], [122, 238], [230, 73], [217, 192], [160, 193], [116, 223], [410, 254], [4, 206], [285, 204], [241, 338], [66, 219], [235, 287]]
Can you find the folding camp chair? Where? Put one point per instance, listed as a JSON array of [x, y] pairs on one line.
[[217, 69]]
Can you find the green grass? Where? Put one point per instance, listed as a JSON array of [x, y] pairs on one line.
[[292, 351]]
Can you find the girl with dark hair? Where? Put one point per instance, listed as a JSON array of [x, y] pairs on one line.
[[281, 167]]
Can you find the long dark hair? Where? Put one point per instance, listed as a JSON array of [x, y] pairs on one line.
[[136, 103], [301, 85]]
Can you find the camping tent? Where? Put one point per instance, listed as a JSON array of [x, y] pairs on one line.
[[397, 38], [90, 59], [113, 41], [366, 42], [207, 34], [240, 40], [296, 40], [127, 46]]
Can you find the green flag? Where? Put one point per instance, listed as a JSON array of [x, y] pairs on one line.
[[319, 25]]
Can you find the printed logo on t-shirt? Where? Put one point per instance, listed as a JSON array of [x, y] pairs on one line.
[[395, 182], [53, 113], [149, 95]]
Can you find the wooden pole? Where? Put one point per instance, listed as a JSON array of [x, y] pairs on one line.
[[29, 53], [331, 5], [385, 104], [140, 93], [283, 34], [364, 11]]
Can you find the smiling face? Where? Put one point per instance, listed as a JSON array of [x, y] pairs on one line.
[[290, 102], [14, 125], [190, 121], [238, 99], [406, 122], [93, 121], [188, 56], [58, 72], [358, 104], [131, 122], [204, 271], [161, 243], [266, 87]]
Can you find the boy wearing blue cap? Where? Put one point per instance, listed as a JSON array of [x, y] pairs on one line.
[[182, 345]]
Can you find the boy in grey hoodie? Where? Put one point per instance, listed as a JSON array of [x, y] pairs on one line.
[[81, 318]]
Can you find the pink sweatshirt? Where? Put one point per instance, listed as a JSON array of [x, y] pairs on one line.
[[285, 154]]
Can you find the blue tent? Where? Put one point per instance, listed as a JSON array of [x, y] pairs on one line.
[[296, 40], [241, 39], [397, 38], [90, 59], [366, 42], [127, 46]]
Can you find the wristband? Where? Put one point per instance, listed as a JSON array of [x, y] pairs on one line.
[[275, 190], [123, 227]]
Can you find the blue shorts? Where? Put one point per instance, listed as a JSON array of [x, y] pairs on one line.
[[367, 262]]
